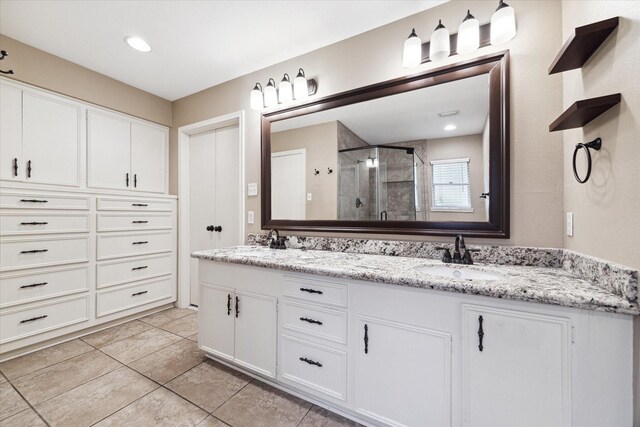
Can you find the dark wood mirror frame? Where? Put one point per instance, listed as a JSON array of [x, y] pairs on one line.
[[497, 66]]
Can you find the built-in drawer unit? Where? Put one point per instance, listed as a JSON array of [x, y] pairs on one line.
[[316, 290], [115, 204], [42, 201], [15, 224], [113, 300], [20, 288], [133, 222], [110, 273], [29, 253], [322, 370], [35, 319], [123, 245], [320, 322]]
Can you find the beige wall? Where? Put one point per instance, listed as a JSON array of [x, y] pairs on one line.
[[468, 146], [607, 207], [321, 145], [50, 72], [374, 56]]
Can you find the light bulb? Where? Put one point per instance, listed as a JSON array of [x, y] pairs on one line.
[[439, 47], [270, 94], [257, 101], [300, 88], [503, 24], [468, 34], [412, 53], [285, 91]]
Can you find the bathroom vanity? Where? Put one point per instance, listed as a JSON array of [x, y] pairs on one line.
[[400, 341]]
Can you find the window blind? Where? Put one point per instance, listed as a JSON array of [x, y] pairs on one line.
[[450, 184]]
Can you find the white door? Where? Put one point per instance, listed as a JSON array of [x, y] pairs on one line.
[[216, 318], [11, 165], [50, 140], [109, 151], [402, 373], [148, 158], [288, 184], [521, 375], [214, 194], [256, 332]]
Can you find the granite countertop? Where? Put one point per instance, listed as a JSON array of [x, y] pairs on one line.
[[535, 284]]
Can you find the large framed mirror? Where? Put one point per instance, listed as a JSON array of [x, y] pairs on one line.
[[426, 154]]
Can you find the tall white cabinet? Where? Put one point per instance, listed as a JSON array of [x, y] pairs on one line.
[[87, 230]]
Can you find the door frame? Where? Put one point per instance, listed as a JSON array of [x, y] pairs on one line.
[[184, 241], [302, 151]]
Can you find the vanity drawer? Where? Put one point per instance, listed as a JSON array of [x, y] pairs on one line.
[[17, 324], [30, 253], [323, 370], [112, 273], [320, 322], [133, 222], [320, 291], [123, 298], [29, 287], [42, 201], [114, 204], [122, 245], [19, 224]]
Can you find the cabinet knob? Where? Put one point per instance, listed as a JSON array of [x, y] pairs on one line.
[[210, 227], [217, 228]]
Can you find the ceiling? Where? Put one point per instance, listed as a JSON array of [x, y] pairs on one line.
[[410, 116], [196, 44]]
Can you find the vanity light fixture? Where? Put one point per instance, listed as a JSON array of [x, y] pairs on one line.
[[439, 47], [468, 34], [257, 99], [503, 24], [450, 127], [412, 53], [270, 94], [371, 162], [285, 91], [137, 43], [300, 88]]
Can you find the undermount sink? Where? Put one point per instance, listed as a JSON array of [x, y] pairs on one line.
[[460, 272]]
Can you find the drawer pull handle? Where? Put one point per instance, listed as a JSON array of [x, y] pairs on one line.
[[142, 242], [237, 306], [15, 167], [135, 180], [33, 201], [139, 293], [306, 319], [311, 362], [140, 268], [34, 251], [127, 179], [34, 223], [228, 304], [139, 204], [366, 339], [33, 319], [28, 168], [311, 291], [33, 285], [139, 222], [480, 333]]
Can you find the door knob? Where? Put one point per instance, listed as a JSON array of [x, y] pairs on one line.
[[218, 228], [210, 227]]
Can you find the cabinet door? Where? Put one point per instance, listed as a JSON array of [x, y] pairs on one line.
[[256, 332], [520, 377], [109, 151], [50, 140], [402, 373], [216, 320], [149, 158], [11, 133]]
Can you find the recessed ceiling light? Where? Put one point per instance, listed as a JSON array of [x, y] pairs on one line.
[[138, 43], [450, 126], [449, 113]]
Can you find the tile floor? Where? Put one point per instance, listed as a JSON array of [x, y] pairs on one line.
[[146, 372]]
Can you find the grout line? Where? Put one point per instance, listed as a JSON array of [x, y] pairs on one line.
[[28, 403], [124, 338], [48, 366]]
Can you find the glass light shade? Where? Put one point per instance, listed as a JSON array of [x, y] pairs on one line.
[[412, 53], [371, 162], [271, 94], [439, 47], [257, 101], [503, 24], [468, 35], [300, 87], [285, 90]]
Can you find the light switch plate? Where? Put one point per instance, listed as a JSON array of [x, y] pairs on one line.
[[252, 189], [570, 224], [250, 217], [309, 197]]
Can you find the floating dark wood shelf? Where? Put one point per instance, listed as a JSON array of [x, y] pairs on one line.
[[582, 112], [584, 42]]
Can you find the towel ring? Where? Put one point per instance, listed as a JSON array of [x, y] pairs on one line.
[[596, 144]]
